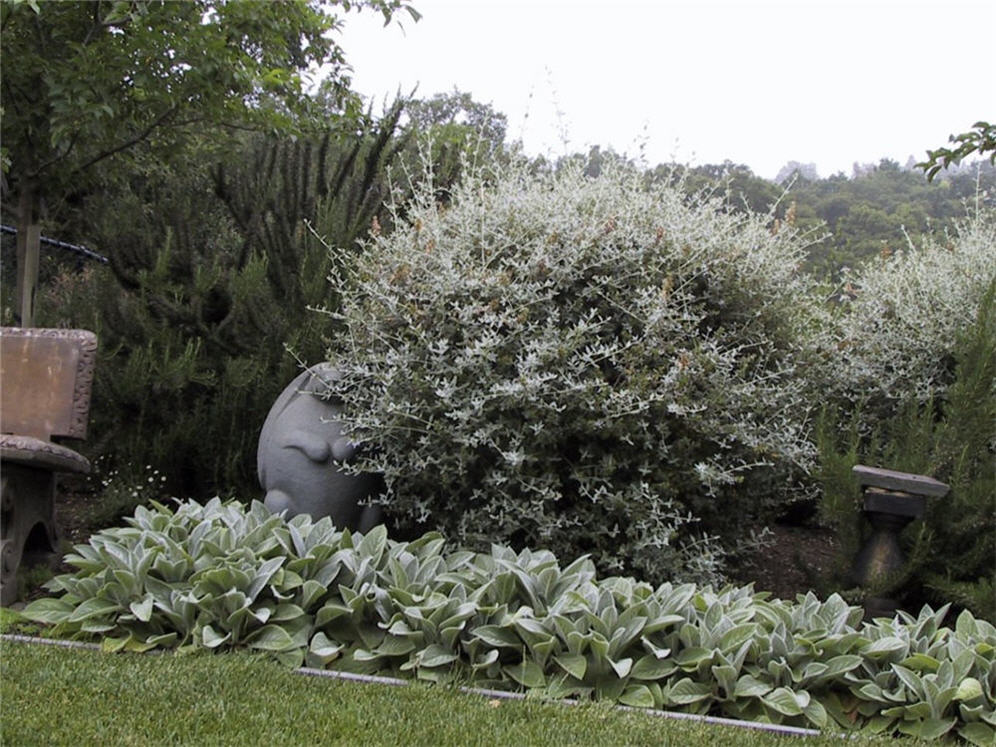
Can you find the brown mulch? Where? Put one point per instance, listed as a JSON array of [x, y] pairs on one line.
[[798, 559]]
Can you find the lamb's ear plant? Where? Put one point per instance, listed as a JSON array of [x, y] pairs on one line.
[[224, 575]]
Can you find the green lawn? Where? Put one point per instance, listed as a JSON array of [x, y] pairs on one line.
[[56, 696]]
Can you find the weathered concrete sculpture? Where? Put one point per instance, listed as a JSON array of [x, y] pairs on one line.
[[891, 501], [47, 377], [300, 448]]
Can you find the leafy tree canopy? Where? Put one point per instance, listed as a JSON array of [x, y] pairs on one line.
[[980, 139], [94, 79]]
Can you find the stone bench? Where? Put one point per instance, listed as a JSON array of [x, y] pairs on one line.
[[46, 377]]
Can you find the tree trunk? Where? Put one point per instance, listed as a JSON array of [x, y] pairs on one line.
[[28, 243]]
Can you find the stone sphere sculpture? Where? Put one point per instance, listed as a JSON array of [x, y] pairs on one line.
[[300, 449]]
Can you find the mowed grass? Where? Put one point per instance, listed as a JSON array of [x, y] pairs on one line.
[[57, 696]]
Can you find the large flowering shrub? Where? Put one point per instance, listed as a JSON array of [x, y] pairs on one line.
[[580, 364]]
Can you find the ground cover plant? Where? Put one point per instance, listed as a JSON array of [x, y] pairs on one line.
[[223, 576], [572, 362]]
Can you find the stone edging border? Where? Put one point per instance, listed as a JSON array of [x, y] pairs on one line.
[[495, 694]]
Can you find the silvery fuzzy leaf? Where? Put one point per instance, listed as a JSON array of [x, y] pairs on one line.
[[331, 611], [528, 673], [93, 607], [910, 680], [785, 701], [212, 639], [686, 691], [884, 647], [690, 659], [931, 728], [748, 686], [660, 622], [621, 667], [650, 667], [816, 713], [656, 651], [486, 660], [270, 638], [48, 610], [968, 689], [574, 664], [638, 696], [143, 609], [978, 733]]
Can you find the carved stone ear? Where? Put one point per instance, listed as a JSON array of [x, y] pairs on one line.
[[315, 448]]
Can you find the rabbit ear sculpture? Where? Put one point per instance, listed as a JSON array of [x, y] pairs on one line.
[[301, 448]]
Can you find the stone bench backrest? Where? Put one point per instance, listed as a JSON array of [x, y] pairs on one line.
[[46, 378]]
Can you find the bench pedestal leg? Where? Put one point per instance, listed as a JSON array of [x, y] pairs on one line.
[[29, 535]]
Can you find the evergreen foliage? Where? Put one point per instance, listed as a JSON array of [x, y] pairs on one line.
[[213, 274], [949, 436]]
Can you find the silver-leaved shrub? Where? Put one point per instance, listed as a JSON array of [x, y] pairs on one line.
[[895, 339], [580, 364]]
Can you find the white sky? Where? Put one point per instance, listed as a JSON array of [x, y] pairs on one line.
[[760, 83]]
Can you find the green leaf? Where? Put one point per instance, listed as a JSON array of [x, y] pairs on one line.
[[978, 733], [638, 696], [142, 610], [213, 639], [686, 691], [496, 635], [574, 664], [968, 689], [270, 638], [785, 701], [48, 610], [621, 667], [749, 686], [649, 667], [528, 674], [93, 607]]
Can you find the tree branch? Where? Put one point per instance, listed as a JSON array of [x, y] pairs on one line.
[[139, 137]]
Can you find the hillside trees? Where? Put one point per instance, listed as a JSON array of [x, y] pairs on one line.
[[96, 80]]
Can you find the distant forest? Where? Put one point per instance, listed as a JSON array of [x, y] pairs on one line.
[[875, 211]]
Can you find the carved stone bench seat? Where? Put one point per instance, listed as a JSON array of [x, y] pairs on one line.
[[33, 452], [46, 377]]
